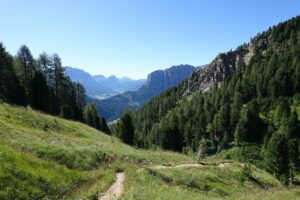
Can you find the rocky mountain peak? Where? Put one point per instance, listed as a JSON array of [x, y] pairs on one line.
[[162, 79], [224, 65]]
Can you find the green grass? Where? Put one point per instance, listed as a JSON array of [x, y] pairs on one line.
[[246, 153], [25, 177], [45, 157], [208, 182]]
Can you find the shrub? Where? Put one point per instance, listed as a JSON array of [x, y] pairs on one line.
[[246, 173]]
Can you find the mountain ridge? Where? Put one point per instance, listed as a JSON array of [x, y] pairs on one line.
[[157, 82], [224, 65], [100, 86]]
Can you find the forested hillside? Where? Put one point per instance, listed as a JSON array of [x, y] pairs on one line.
[[246, 100], [42, 84]]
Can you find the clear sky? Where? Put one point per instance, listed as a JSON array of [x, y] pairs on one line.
[[135, 37]]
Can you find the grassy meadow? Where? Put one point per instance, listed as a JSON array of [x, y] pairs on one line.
[[46, 157]]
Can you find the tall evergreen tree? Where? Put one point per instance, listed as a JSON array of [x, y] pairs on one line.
[[58, 79], [104, 126], [45, 64], [91, 117], [80, 100], [67, 112], [277, 158], [126, 128], [236, 108], [10, 87], [293, 125], [282, 113], [39, 95], [25, 66]]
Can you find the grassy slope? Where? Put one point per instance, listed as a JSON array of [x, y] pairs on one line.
[[48, 156], [43, 156], [208, 182]]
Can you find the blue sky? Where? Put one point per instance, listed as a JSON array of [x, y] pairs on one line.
[[135, 37]]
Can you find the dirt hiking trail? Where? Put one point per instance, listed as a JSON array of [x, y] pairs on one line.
[[177, 166], [116, 189]]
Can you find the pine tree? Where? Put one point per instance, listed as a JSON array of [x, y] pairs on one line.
[[293, 155], [293, 125], [241, 129], [235, 109], [10, 88], [39, 94], [104, 126], [126, 128], [80, 100], [277, 158], [25, 66], [45, 64], [91, 116], [282, 113], [240, 133], [67, 112]]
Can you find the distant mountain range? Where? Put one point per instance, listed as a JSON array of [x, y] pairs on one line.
[[101, 87], [157, 82]]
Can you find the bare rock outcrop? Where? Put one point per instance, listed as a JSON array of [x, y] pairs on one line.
[[224, 65]]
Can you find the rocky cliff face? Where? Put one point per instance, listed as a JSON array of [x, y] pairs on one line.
[[157, 82], [160, 80], [215, 73], [224, 65]]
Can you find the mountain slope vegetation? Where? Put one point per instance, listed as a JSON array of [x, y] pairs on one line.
[[249, 96], [42, 84], [46, 157]]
